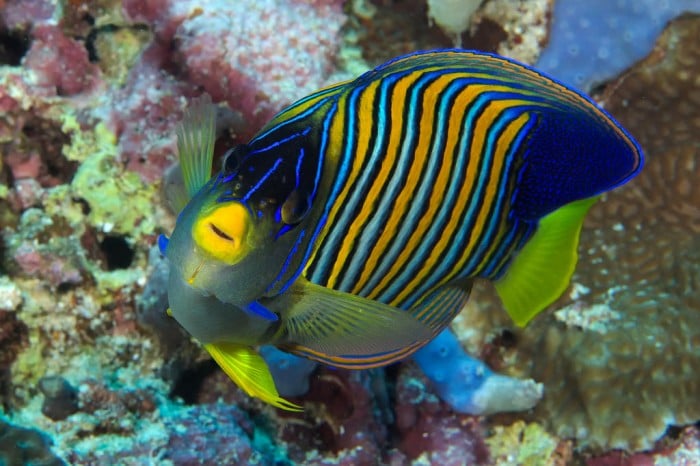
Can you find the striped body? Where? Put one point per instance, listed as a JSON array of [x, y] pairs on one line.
[[420, 165]]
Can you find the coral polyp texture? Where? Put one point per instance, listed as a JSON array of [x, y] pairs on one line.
[[93, 371], [226, 47], [620, 364]]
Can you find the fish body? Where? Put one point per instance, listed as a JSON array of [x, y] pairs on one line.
[[350, 228]]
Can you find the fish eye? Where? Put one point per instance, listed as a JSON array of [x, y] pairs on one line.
[[218, 232], [232, 158], [295, 208]]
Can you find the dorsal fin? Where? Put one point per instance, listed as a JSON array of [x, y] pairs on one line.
[[570, 156]]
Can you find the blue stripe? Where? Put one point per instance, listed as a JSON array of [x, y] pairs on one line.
[[302, 116], [285, 267], [493, 220], [262, 180], [423, 191], [506, 245], [401, 164], [342, 173], [277, 142], [468, 218]]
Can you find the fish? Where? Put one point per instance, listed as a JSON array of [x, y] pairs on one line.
[[350, 229]]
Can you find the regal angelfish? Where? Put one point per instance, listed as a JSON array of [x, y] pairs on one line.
[[350, 229]]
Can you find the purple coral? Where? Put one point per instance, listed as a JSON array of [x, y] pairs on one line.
[[428, 426]]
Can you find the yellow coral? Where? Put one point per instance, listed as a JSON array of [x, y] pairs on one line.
[[523, 445]]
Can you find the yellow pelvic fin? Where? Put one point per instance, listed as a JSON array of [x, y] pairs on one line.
[[250, 372], [345, 330], [541, 271], [195, 143]]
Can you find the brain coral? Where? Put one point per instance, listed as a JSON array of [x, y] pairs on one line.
[[621, 362]]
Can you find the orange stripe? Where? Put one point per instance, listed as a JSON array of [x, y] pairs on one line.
[[356, 362], [493, 183], [454, 132], [481, 128], [396, 100], [402, 202], [505, 139]]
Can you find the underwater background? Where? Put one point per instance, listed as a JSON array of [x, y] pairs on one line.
[[92, 371]]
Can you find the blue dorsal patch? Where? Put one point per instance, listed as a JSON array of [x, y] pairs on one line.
[[570, 156]]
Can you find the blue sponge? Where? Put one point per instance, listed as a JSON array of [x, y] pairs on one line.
[[467, 384], [291, 373], [593, 41]]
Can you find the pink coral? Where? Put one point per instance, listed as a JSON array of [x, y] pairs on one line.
[[60, 62], [427, 426], [40, 262], [19, 14], [294, 46], [144, 115]]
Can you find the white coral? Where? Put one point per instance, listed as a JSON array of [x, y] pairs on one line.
[[453, 16]]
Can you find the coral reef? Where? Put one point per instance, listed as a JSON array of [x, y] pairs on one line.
[[385, 29], [19, 446], [60, 398], [452, 16], [430, 431], [90, 93], [619, 365], [468, 385], [294, 46]]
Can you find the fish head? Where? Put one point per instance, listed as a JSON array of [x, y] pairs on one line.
[[232, 238]]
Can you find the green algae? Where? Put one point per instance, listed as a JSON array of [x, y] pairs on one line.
[[522, 444], [119, 201], [30, 365], [118, 49]]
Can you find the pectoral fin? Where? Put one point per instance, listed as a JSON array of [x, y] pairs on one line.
[[249, 371], [195, 143], [345, 330], [439, 308]]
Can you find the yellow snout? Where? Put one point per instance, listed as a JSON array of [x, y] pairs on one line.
[[222, 232]]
